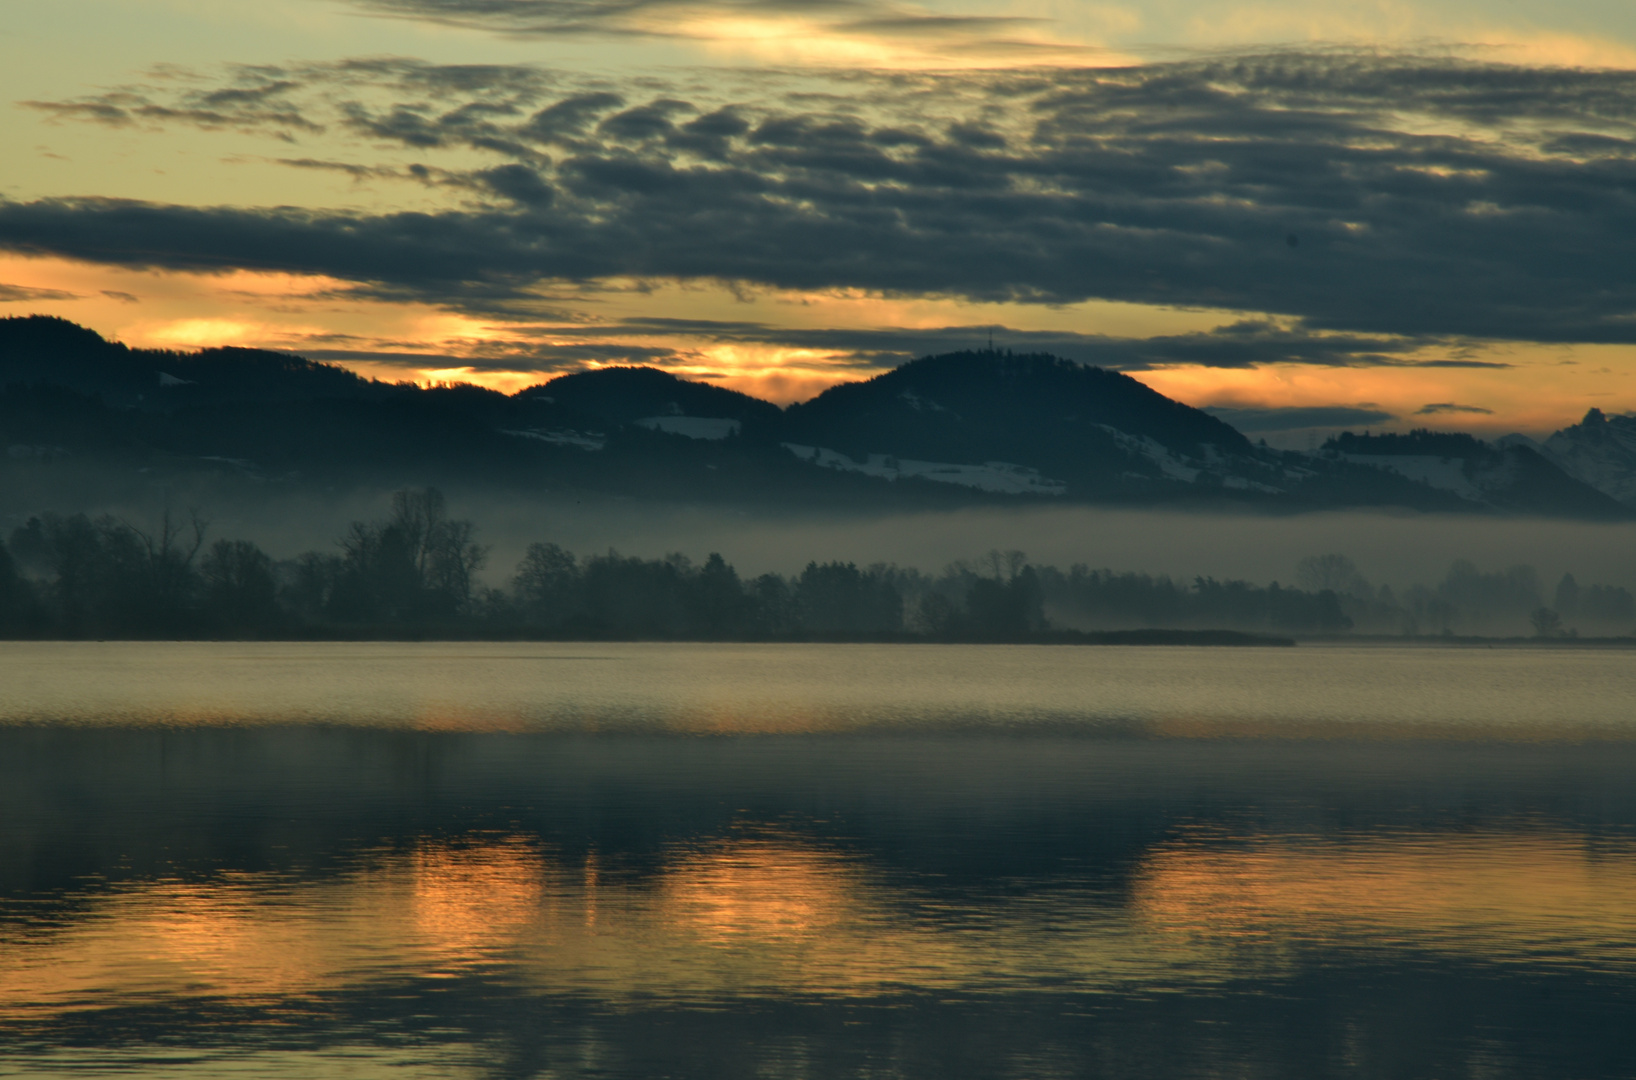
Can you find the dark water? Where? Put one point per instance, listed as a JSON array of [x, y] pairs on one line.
[[824, 861]]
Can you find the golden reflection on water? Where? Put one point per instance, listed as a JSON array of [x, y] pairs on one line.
[[777, 915], [761, 889], [1505, 895]]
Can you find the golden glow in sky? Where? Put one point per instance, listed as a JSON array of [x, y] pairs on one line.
[[265, 116]]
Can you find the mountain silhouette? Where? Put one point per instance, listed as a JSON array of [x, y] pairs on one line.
[[44, 350], [965, 427], [626, 395], [1035, 407]]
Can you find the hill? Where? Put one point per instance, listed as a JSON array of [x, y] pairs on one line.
[[940, 431], [1509, 476], [40, 350]]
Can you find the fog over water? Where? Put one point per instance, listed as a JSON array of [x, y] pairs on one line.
[[535, 861], [1389, 548], [1394, 548]]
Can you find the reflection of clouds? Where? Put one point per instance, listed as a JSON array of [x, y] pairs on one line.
[[1498, 895], [433, 910], [469, 902], [760, 889], [772, 915]]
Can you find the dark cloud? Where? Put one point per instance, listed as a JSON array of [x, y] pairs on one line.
[[122, 297], [518, 183], [1170, 184], [12, 294], [356, 171], [658, 18], [1297, 418], [254, 102], [100, 111], [1441, 408], [1241, 345], [568, 345], [564, 122], [570, 356]]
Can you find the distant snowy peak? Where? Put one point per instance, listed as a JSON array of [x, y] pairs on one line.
[[1599, 450], [1515, 474]]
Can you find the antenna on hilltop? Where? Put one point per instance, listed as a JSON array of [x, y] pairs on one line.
[[991, 339]]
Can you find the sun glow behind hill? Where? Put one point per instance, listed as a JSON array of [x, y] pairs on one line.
[[984, 136], [1532, 388]]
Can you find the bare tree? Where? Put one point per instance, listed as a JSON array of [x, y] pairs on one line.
[[1332, 573]]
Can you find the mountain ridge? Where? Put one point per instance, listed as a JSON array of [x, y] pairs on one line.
[[959, 427]]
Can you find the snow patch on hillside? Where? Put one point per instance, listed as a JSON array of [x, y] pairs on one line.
[[1170, 465], [694, 427], [588, 440], [996, 476], [1443, 473], [1601, 451]]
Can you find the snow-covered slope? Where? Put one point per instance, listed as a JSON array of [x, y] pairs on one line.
[[1599, 450], [1511, 475], [997, 476], [1443, 473]]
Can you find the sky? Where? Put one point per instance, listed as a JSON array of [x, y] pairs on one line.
[[1304, 214]]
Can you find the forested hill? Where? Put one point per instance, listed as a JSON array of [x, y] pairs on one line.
[[1032, 407], [43, 351], [79, 413]]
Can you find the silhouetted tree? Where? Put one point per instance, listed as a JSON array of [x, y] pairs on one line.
[[1333, 573], [838, 598], [1008, 604], [774, 613], [444, 554], [1567, 597], [107, 578], [307, 584], [167, 580], [417, 565], [719, 608], [545, 585], [240, 594], [632, 597], [1506, 596], [416, 570], [19, 610], [1546, 623]]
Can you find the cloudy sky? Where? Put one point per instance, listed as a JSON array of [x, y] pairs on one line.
[[1301, 212]]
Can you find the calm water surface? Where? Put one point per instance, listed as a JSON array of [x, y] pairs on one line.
[[816, 861]]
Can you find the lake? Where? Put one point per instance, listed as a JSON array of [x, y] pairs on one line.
[[801, 861]]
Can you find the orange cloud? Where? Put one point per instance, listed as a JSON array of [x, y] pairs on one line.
[[1543, 388]]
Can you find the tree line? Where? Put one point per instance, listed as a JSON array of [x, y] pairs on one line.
[[416, 573]]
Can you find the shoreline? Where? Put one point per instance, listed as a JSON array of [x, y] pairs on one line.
[[1141, 636]]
